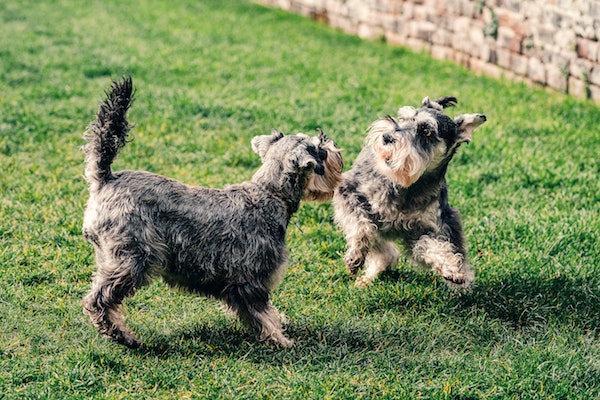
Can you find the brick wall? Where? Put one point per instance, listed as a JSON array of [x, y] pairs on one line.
[[549, 42]]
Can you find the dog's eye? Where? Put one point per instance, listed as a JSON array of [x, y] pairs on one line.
[[387, 138], [425, 130]]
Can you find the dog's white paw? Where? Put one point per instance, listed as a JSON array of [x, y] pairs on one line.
[[283, 341], [458, 279], [362, 281]]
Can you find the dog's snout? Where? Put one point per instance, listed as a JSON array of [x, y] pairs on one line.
[[320, 169], [387, 138], [322, 154], [483, 117]]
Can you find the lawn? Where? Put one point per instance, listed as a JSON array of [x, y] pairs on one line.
[[212, 74]]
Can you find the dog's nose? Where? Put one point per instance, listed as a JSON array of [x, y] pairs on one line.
[[387, 138], [483, 117], [322, 154], [320, 169]]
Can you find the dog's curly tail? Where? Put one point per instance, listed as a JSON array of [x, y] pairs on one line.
[[108, 133]]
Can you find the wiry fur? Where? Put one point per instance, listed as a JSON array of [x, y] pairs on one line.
[[321, 187], [111, 120], [227, 243], [396, 190]]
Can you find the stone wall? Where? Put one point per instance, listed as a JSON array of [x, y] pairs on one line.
[[549, 42]]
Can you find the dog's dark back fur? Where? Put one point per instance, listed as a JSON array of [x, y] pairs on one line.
[[195, 230]]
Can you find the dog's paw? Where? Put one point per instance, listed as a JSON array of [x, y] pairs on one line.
[[458, 280], [353, 265], [283, 341], [362, 281], [283, 318], [276, 338], [128, 339]]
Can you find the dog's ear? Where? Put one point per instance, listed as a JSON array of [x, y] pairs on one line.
[[327, 147], [447, 101], [322, 136], [309, 156], [428, 103], [260, 144], [321, 187], [466, 124], [439, 104]]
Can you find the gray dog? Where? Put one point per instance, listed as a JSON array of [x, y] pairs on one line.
[[396, 190], [226, 243]]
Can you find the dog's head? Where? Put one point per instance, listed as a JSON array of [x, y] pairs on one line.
[[320, 187], [317, 158], [419, 140]]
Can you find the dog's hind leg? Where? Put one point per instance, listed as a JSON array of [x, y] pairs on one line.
[[251, 304], [382, 255], [111, 284]]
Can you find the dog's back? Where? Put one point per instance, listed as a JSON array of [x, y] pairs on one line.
[[188, 231]]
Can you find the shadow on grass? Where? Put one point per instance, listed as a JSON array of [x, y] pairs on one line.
[[519, 301], [234, 340], [525, 302], [197, 340]]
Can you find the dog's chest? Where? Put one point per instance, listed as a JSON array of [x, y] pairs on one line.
[[396, 211], [398, 221]]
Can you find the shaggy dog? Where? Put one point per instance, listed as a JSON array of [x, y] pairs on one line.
[[396, 191], [226, 243]]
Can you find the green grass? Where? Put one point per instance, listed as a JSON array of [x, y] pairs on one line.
[[212, 74]]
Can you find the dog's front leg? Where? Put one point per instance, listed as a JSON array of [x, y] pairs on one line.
[[356, 254], [360, 235], [383, 254], [443, 257]]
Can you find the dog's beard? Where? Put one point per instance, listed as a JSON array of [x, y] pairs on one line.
[[400, 160], [402, 164], [321, 187]]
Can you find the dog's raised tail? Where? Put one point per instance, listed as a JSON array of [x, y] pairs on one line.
[[107, 133]]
